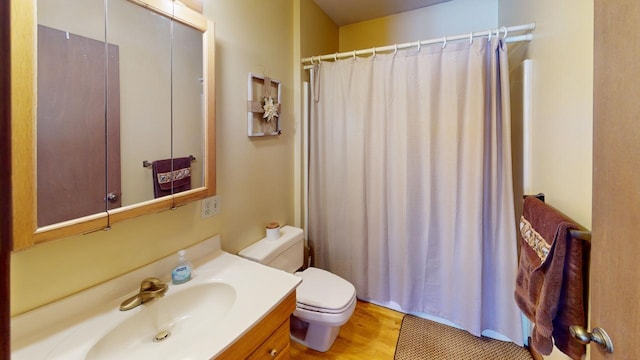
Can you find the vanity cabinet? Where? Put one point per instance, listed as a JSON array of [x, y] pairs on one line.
[[275, 346], [268, 339]]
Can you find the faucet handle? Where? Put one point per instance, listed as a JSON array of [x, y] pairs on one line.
[[151, 283]]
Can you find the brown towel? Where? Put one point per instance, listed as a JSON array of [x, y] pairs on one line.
[[549, 284], [168, 174]]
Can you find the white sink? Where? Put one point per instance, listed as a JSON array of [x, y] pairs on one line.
[[226, 296], [174, 320]]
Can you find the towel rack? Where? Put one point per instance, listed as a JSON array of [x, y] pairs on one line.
[[147, 164], [576, 234], [581, 234], [585, 236]]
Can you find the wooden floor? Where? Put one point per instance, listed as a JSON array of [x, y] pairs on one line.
[[371, 333]]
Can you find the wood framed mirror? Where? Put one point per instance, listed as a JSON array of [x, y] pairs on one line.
[[156, 105]]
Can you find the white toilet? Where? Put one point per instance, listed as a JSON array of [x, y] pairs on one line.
[[324, 301]]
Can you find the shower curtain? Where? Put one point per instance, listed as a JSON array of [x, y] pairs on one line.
[[410, 190]]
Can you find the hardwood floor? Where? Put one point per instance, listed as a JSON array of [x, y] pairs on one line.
[[371, 334]]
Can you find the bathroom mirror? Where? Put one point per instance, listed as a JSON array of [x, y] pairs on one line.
[[145, 94], [72, 112], [138, 75]]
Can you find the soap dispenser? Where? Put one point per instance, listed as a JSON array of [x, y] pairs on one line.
[[182, 272]]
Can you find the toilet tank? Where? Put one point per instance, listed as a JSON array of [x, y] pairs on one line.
[[285, 253]]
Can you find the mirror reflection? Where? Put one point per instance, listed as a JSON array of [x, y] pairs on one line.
[[144, 38], [110, 100], [188, 127], [71, 148]]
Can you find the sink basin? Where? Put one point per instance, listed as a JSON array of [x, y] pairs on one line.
[[171, 322]]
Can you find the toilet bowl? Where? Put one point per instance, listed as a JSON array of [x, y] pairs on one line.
[[324, 301]]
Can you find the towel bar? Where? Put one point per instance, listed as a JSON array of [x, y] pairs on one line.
[[539, 196], [147, 164], [581, 235], [577, 234]]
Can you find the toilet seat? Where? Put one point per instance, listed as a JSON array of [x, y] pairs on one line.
[[325, 310], [322, 291]]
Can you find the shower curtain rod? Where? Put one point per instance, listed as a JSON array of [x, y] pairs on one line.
[[506, 30]]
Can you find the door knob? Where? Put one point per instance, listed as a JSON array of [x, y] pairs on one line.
[[113, 197], [598, 336]]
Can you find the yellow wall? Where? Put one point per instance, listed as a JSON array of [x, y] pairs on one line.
[[314, 33], [255, 178], [450, 18], [562, 101], [562, 98], [255, 174], [318, 33]]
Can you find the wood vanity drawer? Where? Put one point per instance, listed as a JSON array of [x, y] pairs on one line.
[[267, 332], [276, 346]]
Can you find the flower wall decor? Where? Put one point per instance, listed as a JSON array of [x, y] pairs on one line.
[[263, 108], [270, 110]]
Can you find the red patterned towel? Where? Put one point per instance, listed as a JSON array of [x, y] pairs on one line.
[[549, 285], [167, 174]]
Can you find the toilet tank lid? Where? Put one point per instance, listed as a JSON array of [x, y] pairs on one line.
[[265, 250]]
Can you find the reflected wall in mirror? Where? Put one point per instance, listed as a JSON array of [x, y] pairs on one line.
[[188, 129], [138, 86], [71, 142], [145, 87]]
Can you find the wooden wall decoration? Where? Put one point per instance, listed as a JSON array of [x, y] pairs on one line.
[[263, 106]]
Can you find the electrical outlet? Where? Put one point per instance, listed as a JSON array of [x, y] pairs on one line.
[[210, 206]]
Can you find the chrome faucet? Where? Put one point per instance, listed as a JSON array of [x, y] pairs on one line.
[[150, 289]]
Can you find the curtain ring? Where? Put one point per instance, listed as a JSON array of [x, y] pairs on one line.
[[419, 46], [335, 57], [312, 60], [506, 31], [395, 50], [444, 42], [470, 38], [354, 54], [374, 52], [490, 35]]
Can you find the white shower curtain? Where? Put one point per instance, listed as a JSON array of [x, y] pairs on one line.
[[410, 192]]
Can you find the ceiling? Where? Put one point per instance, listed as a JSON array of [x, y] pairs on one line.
[[344, 12]]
